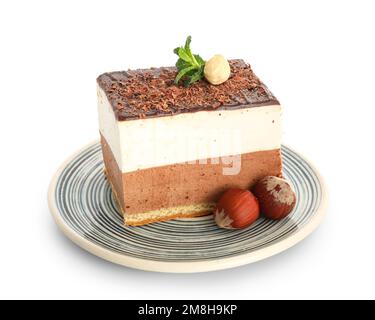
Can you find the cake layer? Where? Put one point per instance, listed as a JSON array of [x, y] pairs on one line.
[[146, 93], [180, 190], [161, 141]]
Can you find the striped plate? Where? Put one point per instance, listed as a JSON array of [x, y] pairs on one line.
[[82, 204]]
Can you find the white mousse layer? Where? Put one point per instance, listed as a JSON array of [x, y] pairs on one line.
[[153, 142]]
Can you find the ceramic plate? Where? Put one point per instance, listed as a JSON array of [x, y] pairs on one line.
[[83, 206]]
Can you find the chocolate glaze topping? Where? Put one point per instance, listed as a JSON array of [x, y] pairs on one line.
[[151, 92]]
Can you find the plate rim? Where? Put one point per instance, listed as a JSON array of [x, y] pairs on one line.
[[184, 266]]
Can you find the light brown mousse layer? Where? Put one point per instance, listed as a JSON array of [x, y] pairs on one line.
[[181, 190]]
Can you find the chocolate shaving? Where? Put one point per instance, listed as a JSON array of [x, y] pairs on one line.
[[151, 92]]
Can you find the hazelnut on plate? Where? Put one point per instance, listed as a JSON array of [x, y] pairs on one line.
[[276, 197], [236, 209], [217, 70]]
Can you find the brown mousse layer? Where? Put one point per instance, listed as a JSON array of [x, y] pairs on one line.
[[152, 92], [184, 184]]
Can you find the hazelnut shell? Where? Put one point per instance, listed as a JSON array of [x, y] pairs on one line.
[[236, 209], [276, 197]]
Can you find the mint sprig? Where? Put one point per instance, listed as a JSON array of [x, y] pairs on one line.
[[189, 65]]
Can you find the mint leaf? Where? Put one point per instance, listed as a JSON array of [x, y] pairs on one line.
[[181, 64], [198, 75], [184, 55], [189, 65], [175, 50], [199, 59], [187, 47], [187, 43], [182, 73]]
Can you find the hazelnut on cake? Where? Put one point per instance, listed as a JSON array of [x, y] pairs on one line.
[[170, 151]]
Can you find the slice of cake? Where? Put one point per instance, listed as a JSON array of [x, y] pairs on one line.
[[170, 151]]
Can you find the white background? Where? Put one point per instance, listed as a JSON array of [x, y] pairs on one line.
[[316, 56]]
